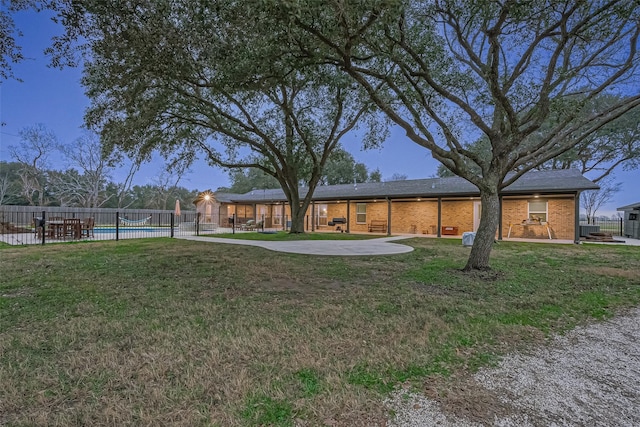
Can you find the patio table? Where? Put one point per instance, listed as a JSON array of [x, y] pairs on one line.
[[57, 228], [526, 224]]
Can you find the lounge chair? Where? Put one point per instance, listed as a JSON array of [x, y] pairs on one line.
[[132, 222], [249, 225]]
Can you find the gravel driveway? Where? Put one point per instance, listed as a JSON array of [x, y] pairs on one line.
[[588, 377]]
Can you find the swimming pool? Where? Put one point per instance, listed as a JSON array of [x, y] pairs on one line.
[[131, 229]]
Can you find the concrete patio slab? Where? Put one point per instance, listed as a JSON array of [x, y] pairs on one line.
[[382, 246]]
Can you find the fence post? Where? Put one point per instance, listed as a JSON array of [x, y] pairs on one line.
[[43, 224], [172, 223], [233, 224], [117, 226], [198, 224], [621, 222]]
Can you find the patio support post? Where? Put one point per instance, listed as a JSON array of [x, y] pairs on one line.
[[388, 216], [439, 216], [499, 217], [313, 216], [284, 217], [348, 215], [576, 224]]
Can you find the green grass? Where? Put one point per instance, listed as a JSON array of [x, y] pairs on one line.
[[285, 236], [161, 331]]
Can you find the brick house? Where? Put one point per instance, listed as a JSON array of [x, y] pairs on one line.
[[540, 204]]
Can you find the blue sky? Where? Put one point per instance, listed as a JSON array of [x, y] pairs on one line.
[[56, 99]]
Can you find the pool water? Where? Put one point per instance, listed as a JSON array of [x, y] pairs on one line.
[[129, 229]]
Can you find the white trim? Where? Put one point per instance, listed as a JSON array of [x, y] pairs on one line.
[[361, 213]]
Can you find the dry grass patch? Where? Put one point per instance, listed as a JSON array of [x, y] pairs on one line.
[[630, 274]]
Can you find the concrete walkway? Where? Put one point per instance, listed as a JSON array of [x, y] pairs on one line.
[[382, 246]]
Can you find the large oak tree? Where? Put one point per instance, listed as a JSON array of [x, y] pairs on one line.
[[455, 71], [191, 78]]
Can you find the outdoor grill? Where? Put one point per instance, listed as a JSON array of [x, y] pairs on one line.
[[338, 222]]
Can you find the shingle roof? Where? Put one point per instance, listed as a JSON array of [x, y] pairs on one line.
[[551, 181]]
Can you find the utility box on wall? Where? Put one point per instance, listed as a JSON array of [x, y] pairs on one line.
[[631, 220]]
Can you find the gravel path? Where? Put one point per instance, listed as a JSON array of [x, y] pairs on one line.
[[588, 377]]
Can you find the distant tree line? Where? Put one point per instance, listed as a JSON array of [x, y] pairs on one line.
[[70, 188], [86, 180]]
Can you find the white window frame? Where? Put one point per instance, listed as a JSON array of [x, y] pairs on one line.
[[544, 215], [361, 214], [321, 214]]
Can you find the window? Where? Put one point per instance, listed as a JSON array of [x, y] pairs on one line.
[[277, 215], [538, 210], [261, 212], [361, 213], [321, 214]]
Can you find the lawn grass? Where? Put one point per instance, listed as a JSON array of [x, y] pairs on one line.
[[161, 331], [283, 236]]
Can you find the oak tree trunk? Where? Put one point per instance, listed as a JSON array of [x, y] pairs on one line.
[[297, 220], [486, 234]]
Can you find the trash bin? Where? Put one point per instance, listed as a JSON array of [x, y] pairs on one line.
[[467, 238]]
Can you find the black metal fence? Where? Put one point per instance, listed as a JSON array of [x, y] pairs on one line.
[[613, 226], [28, 225], [21, 225]]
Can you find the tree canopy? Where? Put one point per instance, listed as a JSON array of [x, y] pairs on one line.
[[341, 168], [452, 71], [616, 145], [187, 78]]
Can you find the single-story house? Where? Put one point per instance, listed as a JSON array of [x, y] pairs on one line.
[[540, 204], [631, 220]]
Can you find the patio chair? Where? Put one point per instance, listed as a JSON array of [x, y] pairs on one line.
[[86, 228], [71, 228], [49, 232]]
